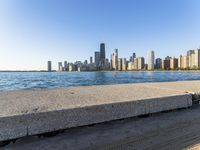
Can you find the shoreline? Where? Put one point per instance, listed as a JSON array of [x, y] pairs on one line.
[[10, 71]]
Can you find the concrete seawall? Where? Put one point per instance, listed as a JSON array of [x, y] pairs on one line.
[[30, 112]]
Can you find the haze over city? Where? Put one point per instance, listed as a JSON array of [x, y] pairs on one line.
[[33, 32]]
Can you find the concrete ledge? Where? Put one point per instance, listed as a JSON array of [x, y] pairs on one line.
[[31, 112], [172, 130]]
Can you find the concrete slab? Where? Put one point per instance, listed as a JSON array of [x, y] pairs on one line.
[[172, 130], [30, 112], [184, 86]]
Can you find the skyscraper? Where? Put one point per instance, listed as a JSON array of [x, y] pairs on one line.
[[197, 58], [158, 63], [60, 67], [119, 64], [166, 63], [49, 66], [190, 52], [114, 60], [124, 64], [140, 63], [151, 58], [173, 63], [135, 66], [134, 56], [91, 60], [97, 58], [102, 53], [85, 62], [65, 66]]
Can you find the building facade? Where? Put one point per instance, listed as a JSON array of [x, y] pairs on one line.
[[124, 68], [97, 58], [173, 63], [114, 60], [158, 63], [49, 66], [140, 63], [102, 54], [151, 57], [60, 67]]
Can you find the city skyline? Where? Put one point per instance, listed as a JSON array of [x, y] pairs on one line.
[[33, 32], [190, 60]]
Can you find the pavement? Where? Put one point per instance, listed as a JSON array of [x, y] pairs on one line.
[[26, 113], [178, 129]]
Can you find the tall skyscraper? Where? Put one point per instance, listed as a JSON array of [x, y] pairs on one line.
[[49, 66], [151, 58], [102, 53], [190, 52], [65, 66], [91, 60], [173, 63], [60, 67], [158, 63], [114, 60], [134, 56], [97, 58], [180, 62], [131, 58], [166, 63], [119, 64], [135, 66], [140, 63], [197, 58], [124, 64], [85, 62]]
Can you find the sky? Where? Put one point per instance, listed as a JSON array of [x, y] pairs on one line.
[[35, 31]]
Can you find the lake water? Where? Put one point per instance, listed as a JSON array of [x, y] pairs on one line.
[[31, 80]]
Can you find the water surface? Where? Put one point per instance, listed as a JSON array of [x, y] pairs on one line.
[[32, 80]]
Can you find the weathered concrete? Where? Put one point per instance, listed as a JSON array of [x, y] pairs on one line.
[[163, 131], [184, 86], [32, 112]]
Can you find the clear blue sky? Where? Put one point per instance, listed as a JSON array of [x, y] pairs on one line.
[[35, 31]]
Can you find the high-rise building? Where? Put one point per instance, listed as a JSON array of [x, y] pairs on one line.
[[71, 67], [190, 52], [130, 65], [97, 58], [197, 58], [130, 59], [102, 53], [140, 63], [85, 62], [134, 56], [107, 65], [191, 58], [135, 64], [60, 67], [65, 66], [166, 63], [180, 62], [114, 60], [119, 64], [158, 63], [49, 66], [173, 63], [91, 60], [185, 62], [192, 61], [151, 58], [124, 64]]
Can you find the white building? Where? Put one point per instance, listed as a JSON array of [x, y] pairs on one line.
[[114, 60], [151, 58], [124, 64]]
